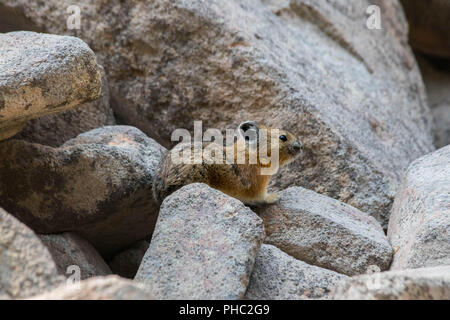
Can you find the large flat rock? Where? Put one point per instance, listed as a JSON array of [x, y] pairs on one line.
[[42, 74], [325, 232], [97, 184], [203, 247], [55, 129]]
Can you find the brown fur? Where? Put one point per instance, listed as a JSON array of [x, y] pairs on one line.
[[241, 181]]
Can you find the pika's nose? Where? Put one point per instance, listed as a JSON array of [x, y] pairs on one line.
[[296, 146]]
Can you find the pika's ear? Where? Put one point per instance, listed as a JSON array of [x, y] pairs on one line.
[[249, 131]]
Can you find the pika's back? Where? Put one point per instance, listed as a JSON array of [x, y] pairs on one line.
[[183, 165]]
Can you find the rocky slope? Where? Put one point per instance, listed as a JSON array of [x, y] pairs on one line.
[[77, 216], [353, 95]]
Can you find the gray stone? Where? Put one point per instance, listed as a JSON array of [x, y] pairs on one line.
[[26, 266], [68, 249], [353, 95], [437, 83], [55, 129], [441, 116], [419, 228], [428, 26], [325, 232], [42, 74], [203, 247], [413, 284], [99, 288], [126, 263], [98, 184], [278, 276]]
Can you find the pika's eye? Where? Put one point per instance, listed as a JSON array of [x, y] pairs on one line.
[[283, 137]]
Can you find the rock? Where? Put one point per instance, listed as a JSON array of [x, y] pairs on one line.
[[99, 288], [126, 263], [98, 184], [203, 247], [412, 284], [419, 228], [68, 249], [55, 129], [42, 74], [437, 82], [310, 67], [325, 232], [441, 115], [428, 26], [278, 276], [26, 267]]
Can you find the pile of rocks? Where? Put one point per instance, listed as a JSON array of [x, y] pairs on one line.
[[364, 212]]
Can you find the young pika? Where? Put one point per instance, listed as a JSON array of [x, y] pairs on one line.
[[241, 170]]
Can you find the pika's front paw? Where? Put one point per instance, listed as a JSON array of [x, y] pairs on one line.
[[272, 197]]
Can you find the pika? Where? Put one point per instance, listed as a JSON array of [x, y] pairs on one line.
[[237, 170]]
